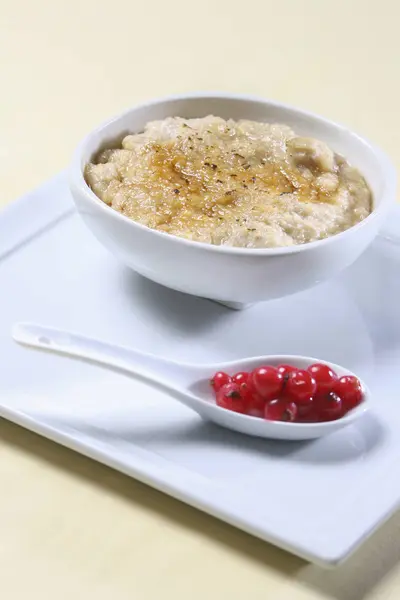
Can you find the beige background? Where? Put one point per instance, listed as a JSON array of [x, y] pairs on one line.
[[68, 526]]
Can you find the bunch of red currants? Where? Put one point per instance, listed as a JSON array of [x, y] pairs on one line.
[[286, 393]]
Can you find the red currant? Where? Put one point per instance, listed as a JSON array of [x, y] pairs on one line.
[[285, 370], [267, 382], [280, 410], [328, 406], [310, 416], [300, 386], [255, 412], [304, 406], [246, 387], [241, 378], [254, 404], [324, 376], [350, 391], [218, 380], [229, 397]]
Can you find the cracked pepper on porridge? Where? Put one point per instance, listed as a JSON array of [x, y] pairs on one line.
[[233, 183]]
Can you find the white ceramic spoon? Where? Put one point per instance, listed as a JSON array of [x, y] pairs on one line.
[[189, 384]]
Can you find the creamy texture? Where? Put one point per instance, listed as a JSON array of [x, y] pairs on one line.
[[241, 183]]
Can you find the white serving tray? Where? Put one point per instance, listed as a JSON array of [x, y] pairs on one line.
[[317, 499]]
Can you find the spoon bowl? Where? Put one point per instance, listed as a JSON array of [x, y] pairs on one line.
[[187, 383]]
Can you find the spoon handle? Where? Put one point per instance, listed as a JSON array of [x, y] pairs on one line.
[[156, 371]]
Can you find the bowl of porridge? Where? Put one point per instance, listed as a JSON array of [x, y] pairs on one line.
[[229, 197]]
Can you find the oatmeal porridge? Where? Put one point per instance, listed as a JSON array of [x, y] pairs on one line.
[[234, 183]]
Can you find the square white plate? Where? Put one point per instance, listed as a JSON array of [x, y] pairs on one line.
[[317, 499]]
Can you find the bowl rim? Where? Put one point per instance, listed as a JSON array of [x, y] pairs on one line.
[[77, 180]]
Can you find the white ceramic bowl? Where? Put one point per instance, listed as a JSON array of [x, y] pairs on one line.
[[222, 273]]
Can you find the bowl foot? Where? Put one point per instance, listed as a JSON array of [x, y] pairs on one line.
[[234, 305]]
